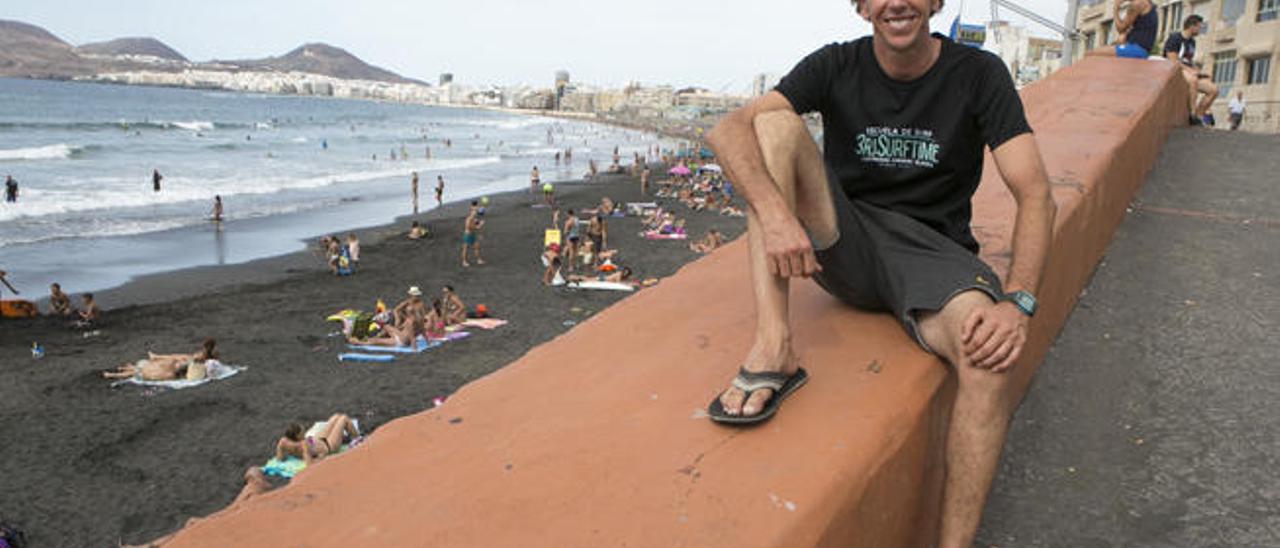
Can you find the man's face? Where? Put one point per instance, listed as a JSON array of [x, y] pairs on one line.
[[1194, 30], [900, 24]]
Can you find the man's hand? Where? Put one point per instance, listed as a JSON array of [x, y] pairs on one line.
[[788, 251], [993, 336]]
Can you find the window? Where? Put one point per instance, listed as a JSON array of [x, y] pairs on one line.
[[1175, 17], [1268, 10], [1231, 10], [1224, 71], [1105, 32], [1088, 40], [1259, 70]]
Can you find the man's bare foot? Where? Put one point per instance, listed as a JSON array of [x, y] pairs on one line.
[[479, 261], [465, 264], [759, 360]]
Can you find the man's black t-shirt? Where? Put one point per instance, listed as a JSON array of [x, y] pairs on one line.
[[912, 147], [1185, 48]]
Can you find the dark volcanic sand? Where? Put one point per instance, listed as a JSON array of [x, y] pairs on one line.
[[82, 464]]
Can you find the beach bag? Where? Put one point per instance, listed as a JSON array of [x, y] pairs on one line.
[[18, 309], [197, 371], [362, 325], [344, 262], [12, 537]]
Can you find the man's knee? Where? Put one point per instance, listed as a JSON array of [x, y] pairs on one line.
[[779, 128]]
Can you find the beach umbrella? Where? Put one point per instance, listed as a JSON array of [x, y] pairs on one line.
[[679, 170]]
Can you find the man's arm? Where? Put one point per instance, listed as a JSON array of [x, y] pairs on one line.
[[1136, 8], [994, 336], [736, 145], [1019, 163]]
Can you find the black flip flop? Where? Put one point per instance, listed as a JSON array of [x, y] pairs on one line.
[[782, 385]]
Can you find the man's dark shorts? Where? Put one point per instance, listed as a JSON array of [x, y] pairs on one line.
[[885, 261]]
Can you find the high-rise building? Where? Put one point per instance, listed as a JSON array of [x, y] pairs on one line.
[[1029, 58], [762, 84], [446, 78], [562, 82], [1236, 48]]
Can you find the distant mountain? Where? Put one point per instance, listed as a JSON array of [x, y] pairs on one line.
[[318, 58], [133, 46], [28, 51]]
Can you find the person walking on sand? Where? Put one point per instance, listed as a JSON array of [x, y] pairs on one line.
[[216, 215], [880, 217], [471, 234], [439, 191], [413, 189], [644, 181], [535, 181], [156, 177], [10, 189]]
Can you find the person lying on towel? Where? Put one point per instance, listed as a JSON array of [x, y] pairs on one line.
[[168, 367]]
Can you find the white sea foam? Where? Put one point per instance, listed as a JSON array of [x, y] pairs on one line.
[[120, 193], [50, 152], [298, 140], [194, 125]]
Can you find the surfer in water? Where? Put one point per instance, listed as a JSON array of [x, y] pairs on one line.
[[156, 177]]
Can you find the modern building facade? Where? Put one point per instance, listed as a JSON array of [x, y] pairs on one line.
[[1237, 48]]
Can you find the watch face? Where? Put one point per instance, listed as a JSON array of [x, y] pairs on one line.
[[1025, 301]]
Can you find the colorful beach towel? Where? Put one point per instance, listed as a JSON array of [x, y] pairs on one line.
[[360, 357], [216, 373], [484, 323], [420, 345], [660, 236], [609, 286], [456, 335]]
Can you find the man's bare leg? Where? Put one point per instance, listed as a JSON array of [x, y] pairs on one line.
[[795, 164], [1210, 91], [979, 421]]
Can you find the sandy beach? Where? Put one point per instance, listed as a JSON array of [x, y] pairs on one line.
[[84, 464]]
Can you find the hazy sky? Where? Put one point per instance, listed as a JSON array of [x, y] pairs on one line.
[[718, 44]]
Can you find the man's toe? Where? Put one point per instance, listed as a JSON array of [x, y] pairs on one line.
[[755, 404], [731, 400]]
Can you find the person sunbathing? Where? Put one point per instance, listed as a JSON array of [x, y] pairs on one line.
[[323, 442], [436, 320], [89, 312], [708, 243], [59, 302], [606, 274], [395, 335], [165, 367], [411, 305], [455, 311]]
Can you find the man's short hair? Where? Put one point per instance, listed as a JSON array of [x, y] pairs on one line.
[[941, 3], [1191, 21]]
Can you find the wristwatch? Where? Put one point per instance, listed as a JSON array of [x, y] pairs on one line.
[[1023, 300]]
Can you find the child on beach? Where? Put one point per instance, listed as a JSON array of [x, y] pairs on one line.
[[320, 443], [417, 232], [439, 190], [59, 302], [88, 313]]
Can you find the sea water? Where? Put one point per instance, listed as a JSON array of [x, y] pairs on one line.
[[286, 167]]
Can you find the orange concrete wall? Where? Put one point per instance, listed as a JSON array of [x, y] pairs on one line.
[[564, 448]]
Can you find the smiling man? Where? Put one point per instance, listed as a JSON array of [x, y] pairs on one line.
[[880, 218]]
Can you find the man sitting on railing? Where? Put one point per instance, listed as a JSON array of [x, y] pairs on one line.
[[882, 221]]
